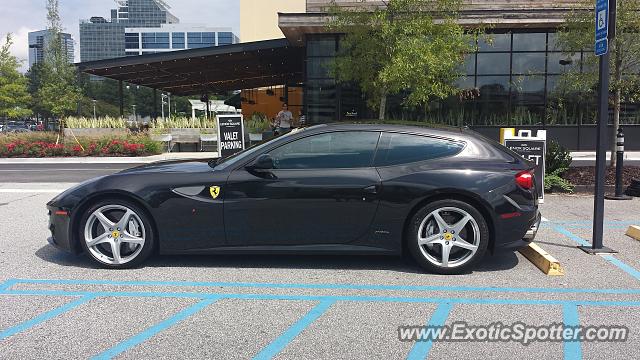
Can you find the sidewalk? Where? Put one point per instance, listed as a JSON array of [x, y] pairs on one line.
[[588, 158], [112, 160]]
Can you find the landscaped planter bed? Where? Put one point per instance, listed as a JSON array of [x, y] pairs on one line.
[[49, 145], [585, 175]]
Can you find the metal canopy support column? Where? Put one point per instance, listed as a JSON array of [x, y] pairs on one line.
[[155, 105], [121, 98]]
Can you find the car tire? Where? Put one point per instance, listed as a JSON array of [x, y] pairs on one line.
[[458, 232], [112, 241]]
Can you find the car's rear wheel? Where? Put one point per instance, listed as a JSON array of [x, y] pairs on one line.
[[116, 234], [448, 237]]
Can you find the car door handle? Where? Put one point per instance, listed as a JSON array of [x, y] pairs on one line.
[[373, 189]]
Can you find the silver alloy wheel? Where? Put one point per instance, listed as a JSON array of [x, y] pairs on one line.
[[448, 243], [114, 234]]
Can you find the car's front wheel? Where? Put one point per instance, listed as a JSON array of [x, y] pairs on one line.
[[448, 236], [116, 234]]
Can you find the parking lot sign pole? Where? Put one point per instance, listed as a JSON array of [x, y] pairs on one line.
[[605, 20]]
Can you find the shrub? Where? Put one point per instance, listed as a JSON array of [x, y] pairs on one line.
[[90, 123], [160, 125], [554, 182], [558, 160], [558, 157], [258, 123], [47, 145]]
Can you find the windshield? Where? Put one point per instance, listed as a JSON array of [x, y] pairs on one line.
[[247, 153]]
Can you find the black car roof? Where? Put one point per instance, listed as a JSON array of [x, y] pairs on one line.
[[444, 131]]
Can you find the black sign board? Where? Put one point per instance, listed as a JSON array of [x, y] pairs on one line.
[[230, 135], [534, 150]]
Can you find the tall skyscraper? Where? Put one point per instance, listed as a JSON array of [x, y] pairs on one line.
[[38, 41], [139, 27], [103, 39]]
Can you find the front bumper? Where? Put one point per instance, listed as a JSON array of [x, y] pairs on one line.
[[60, 228]]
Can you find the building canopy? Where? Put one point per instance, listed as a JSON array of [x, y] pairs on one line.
[[207, 70]]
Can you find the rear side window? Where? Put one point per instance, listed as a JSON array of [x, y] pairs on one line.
[[396, 149]]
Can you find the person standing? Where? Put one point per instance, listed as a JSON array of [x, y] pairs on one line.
[[283, 120]]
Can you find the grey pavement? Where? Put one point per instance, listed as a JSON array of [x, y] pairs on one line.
[[299, 307]]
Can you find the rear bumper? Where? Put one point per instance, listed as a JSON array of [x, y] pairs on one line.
[[533, 230], [514, 234]]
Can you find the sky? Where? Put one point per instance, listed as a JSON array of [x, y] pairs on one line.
[[19, 17]]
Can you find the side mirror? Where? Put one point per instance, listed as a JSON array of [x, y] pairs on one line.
[[261, 163]]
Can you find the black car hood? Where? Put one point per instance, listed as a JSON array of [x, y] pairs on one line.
[[171, 166]]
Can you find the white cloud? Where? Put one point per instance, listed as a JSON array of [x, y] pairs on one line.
[[20, 47]]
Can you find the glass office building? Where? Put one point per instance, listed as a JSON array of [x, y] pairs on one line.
[[170, 37], [102, 38], [38, 41], [515, 80]]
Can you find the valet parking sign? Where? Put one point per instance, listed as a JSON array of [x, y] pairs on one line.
[[531, 148], [230, 134]]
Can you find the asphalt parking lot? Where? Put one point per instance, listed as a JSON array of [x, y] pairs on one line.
[[55, 305]]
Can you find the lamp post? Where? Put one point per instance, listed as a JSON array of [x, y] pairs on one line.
[[94, 108], [166, 97], [169, 98], [135, 118]]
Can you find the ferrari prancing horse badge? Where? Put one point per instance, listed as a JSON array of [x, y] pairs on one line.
[[214, 191]]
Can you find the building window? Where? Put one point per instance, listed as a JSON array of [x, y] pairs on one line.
[[155, 40], [132, 41], [201, 39], [225, 38], [512, 79], [178, 40]]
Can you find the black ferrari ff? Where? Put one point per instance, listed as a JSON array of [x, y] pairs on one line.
[[445, 196]]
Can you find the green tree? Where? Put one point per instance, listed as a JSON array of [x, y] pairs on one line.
[[410, 46], [579, 32], [58, 92], [14, 97], [34, 76]]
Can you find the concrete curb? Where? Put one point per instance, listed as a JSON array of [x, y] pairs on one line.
[[542, 260], [589, 189], [634, 232]]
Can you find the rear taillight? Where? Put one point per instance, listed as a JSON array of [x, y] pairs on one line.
[[525, 179]]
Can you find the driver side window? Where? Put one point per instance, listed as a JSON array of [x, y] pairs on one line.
[[348, 149]]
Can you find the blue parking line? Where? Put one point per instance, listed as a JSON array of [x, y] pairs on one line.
[[422, 348], [626, 268], [44, 317], [610, 258], [572, 348], [562, 230], [7, 284], [485, 301], [283, 340], [155, 329], [329, 286]]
